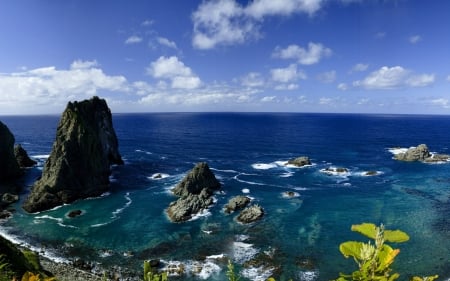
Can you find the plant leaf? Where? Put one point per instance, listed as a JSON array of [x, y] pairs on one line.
[[351, 248], [396, 236], [386, 257], [366, 229]]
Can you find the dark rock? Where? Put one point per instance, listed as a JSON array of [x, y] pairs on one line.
[[199, 178], [236, 203], [251, 214], [22, 157], [5, 214], [300, 161], [155, 263], [79, 164], [371, 173], [419, 153], [74, 213], [9, 168], [9, 198], [195, 192]]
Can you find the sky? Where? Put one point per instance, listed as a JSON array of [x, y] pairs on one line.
[[337, 56]]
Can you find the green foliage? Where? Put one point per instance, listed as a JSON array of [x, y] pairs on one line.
[[374, 260], [232, 276], [151, 275], [29, 276]]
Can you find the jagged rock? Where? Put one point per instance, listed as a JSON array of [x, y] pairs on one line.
[[251, 214], [9, 168], [236, 203], [300, 161], [79, 164], [199, 178], [421, 153], [195, 192], [9, 198], [22, 157]]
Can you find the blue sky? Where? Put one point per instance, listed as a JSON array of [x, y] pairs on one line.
[[356, 56]]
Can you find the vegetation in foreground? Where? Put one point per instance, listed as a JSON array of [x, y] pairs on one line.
[[373, 259]]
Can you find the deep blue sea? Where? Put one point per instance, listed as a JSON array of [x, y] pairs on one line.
[[299, 236]]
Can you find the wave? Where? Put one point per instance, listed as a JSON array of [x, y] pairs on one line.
[[224, 171], [143, 151], [59, 221], [120, 210], [262, 166], [337, 172], [41, 156], [100, 224], [48, 253], [257, 273], [203, 270], [243, 252], [247, 182], [308, 275], [245, 190], [398, 150]]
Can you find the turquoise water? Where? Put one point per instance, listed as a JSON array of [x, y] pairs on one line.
[[298, 237]]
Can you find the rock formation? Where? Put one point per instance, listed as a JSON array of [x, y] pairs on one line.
[[300, 161], [79, 164], [22, 157], [421, 153], [195, 192], [9, 168], [236, 203], [251, 214]]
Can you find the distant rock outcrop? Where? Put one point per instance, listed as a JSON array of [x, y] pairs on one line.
[[22, 157], [9, 168], [251, 214], [195, 192], [300, 161], [236, 203], [421, 153], [79, 164]]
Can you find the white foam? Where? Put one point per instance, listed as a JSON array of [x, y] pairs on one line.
[[100, 224], [369, 173], [201, 214], [243, 252], [120, 210], [262, 166], [41, 156], [105, 253], [287, 175], [203, 270], [159, 176], [245, 190], [398, 150], [216, 257], [247, 182], [143, 151], [59, 220], [334, 171], [224, 171], [257, 273], [308, 275]]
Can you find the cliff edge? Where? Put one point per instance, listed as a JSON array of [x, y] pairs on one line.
[[79, 164]]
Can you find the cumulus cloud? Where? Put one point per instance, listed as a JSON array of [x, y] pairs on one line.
[[133, 40], [393, 78], [171, 68], [448, 78], [287, 74], [227, 22], [445, 103], [166, 42], [47, 86], [268, 99], [306, 56], [342, 86]]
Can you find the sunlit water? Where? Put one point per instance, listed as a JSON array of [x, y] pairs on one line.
[[247, 153]]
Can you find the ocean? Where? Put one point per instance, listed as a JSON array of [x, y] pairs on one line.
[[299, 235]]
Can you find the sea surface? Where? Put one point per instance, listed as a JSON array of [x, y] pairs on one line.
[[299, 235]]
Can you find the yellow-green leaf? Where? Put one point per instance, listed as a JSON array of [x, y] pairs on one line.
[[351, 248], [386, 257], [366, 229], [396, 236]]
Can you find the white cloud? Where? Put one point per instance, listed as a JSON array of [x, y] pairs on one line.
[[448, 78], [181, 76], [307, 56], [268, 99], [445, 103], [166, 42], [133, 40], [287, 87], [226, 22], [50, 87], [342, 87], [327, 77], [147, 23], [325, 101], [359, 67], [252, 79], [380, 35], [393, 78], [415, 39], [288, 74]]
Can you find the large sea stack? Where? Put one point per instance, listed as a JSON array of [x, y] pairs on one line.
[[195, 192], [9, 168], [80, 162]]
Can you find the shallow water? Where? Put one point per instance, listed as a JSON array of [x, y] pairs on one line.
[[298, 237]]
